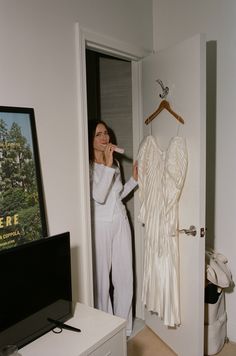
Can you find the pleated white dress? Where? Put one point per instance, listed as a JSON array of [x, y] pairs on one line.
[[161, 179]]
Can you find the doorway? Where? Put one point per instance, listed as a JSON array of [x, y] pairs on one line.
[[115, 48], [109, 98]]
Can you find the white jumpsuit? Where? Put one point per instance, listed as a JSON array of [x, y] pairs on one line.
[[161, 179], [112, 241]]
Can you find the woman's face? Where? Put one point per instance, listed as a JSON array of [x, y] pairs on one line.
[[101, 138]]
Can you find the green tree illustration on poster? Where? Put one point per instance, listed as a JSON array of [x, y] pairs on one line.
[[20, 215]]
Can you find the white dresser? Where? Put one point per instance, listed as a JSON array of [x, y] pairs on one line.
[[101, 334]]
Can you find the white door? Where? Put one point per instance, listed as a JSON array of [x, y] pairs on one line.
[[182, 69]]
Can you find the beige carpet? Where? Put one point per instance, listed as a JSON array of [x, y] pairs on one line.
[[146, 343], [229, 349]]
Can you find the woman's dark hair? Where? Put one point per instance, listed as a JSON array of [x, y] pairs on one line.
[[92, 125]]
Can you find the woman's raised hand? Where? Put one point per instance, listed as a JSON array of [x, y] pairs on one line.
[[108, 154]]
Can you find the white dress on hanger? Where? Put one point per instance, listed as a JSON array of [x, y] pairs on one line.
[[161, 179]]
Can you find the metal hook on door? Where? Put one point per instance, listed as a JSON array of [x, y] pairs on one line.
[[165, 90]]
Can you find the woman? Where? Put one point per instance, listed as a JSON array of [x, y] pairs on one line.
[[111, 230]]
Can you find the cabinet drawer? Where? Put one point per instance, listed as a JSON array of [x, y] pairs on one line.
[[116, 346]]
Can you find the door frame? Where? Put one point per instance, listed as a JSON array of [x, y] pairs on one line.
[[107, 45]]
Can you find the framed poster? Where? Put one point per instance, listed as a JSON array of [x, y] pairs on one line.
[[22, 208]]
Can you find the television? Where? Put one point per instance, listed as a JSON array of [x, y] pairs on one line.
[[35, 285]]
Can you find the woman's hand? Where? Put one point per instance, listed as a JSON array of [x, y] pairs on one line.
[[135, 170], [108, 154]]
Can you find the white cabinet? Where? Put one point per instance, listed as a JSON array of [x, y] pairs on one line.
[[101, 334], [114, 347]]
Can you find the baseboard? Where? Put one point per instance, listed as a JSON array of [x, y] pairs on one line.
[[231, 331], [138, 325]]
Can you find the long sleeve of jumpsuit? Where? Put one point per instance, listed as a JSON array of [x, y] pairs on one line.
[[107, 191]]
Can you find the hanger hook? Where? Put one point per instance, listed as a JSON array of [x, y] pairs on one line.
[[165, 90]]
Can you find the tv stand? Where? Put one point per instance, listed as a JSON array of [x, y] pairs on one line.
[[101, 334]]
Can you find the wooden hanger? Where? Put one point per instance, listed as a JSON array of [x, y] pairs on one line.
[[164, 104]]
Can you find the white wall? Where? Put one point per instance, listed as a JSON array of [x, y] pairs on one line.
[[38, 69], [175, 21]]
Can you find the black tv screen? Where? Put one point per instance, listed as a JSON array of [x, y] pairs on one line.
[[35, 284]]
